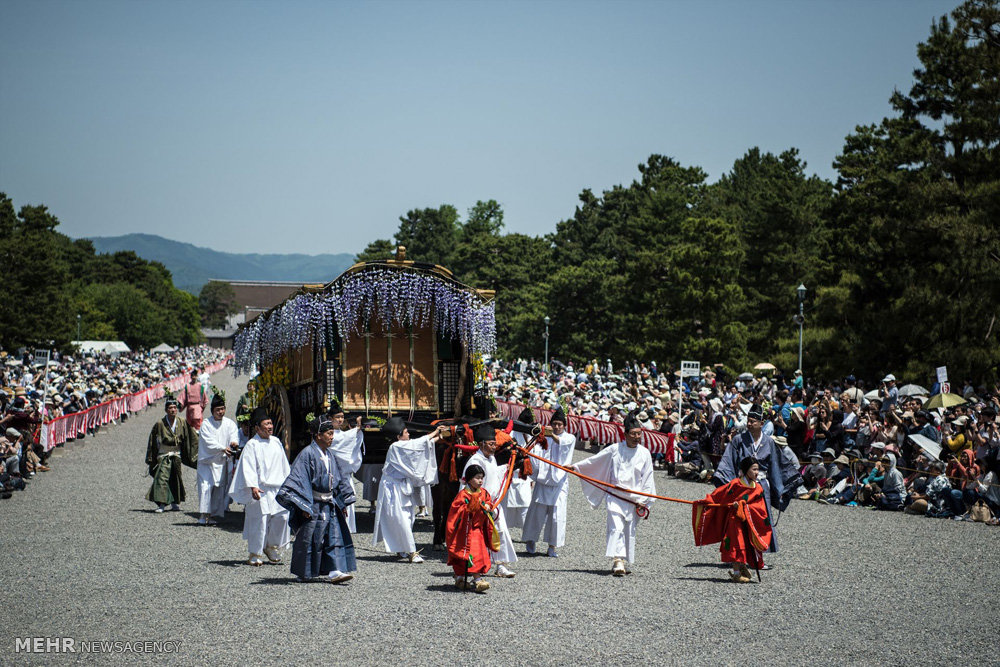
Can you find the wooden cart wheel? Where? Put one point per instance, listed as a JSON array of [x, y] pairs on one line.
[[277, 406]]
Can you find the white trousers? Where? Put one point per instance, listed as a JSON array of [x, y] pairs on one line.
[[260, 530], [551, 518], [621, 536], [515, 515], [212, 500]]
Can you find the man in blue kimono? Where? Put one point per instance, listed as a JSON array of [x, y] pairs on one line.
[[753, 442], [317, 493]]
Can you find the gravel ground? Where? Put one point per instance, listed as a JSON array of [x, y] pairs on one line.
[[86, 558]]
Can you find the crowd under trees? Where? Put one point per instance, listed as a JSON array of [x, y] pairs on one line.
[[901, 254]]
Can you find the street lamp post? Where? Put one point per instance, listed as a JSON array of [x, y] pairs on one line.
[[78, 327], [546, 335], [801, 291]]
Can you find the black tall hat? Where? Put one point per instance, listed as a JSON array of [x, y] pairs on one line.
[[335, 407], [558, 416], [484, 432], [526, 416], [631, 421], [259, 415], [394, 428]]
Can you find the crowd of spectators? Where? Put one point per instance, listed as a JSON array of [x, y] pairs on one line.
[[880, 445], [32, 392]]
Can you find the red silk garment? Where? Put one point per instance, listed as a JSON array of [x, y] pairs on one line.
[[735, 516], [468, 533]]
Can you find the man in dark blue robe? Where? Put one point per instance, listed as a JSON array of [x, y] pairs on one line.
[[754, 443], [316, 494]]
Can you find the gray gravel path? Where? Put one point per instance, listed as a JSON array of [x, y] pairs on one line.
[[85, 557]]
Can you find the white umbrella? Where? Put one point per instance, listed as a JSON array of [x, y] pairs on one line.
[[913, 390], [764, 366], [872, 395]]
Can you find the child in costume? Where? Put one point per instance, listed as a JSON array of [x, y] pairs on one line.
[[735, 516], [470, 531]]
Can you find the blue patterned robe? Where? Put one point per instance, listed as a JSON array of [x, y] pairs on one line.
[[322, 542]]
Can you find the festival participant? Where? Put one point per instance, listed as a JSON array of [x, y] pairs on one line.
[[261, 471], [548, 497], [735, 515], [348, 448], [194, 400], [247, 402], [469, 531], [628, 465], [218, 440], [408, 465], [754, 443], [171, 443], [317, 493], [518, 499], [486, 436]]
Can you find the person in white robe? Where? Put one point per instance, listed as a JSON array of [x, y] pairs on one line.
[[409, 464], [486, 438], [628, 465], [218, 440], [348, 448], [262, 468], [546, 516], [515, 505]]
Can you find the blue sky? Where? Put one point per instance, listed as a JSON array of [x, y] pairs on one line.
[[312, 126]]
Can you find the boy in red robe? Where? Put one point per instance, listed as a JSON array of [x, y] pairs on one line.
[[469, 531], [735, 516]]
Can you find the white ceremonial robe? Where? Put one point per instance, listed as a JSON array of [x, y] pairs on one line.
[[492, 482], [214, 437], [348, 449], [629, 468], [515, 505], [263, 465], [409, 464], [549, 495]]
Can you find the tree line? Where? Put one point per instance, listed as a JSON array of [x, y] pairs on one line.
[[52, 287], [900, 254]]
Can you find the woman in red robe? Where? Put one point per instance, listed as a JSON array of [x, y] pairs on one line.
[[469, 532], [735, 516]]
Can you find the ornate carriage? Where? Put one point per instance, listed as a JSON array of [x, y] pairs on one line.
[[386, 338]]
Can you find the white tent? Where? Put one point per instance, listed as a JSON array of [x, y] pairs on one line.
[[162, 347], [112, 347]]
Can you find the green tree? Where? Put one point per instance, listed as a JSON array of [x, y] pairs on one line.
[[783, 232], [918, 201], [216, 302]]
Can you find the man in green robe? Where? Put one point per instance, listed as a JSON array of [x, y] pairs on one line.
[[171, 443]]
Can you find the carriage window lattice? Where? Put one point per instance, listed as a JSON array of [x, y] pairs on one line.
[[449, 384]]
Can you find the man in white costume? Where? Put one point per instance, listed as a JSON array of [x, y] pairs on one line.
[[486, 438], [409, 464], [218, 439], [515, 505], [629, 466], [261, 471], [348, 448], [548, 498]]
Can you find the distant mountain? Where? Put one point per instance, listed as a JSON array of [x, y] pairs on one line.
[[192, 266]]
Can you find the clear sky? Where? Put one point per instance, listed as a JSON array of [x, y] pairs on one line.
[[262, 126]]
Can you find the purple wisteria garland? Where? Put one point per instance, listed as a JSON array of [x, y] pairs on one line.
[[390, 296]]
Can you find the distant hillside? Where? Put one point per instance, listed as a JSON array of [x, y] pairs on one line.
[[192, 266]]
